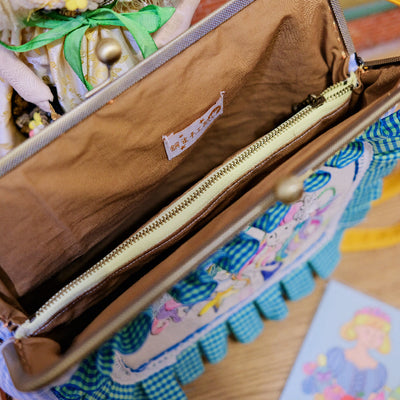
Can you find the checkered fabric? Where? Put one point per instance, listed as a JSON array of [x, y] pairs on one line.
[[381, 166], [369, 189], [189, 365], [87, 379], [92, 380], [369, 193], [271, 303], [115, 391], [199, 285], [162, 386], [130, 338], [325, 261], [356, 212], [90, 383], [246, 324], [214, 345], [237, 252], [355, 215], [384, 135], [272, 218], [317, 181], [299, 283], [353, 151]]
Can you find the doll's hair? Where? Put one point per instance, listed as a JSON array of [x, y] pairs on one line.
[[370, 317]]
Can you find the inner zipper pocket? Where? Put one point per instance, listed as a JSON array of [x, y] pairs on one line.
[[191, 204]]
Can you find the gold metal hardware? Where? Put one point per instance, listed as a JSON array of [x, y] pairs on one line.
[[289, 190], [108, 51]]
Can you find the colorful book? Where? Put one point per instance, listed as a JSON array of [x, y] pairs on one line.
[[351, 351]]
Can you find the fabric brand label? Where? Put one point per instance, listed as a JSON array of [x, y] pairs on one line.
[[177, 143]]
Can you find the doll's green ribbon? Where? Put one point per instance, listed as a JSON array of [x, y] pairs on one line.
[[140, 24]]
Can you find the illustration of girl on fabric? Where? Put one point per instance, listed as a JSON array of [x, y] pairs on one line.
[[304, 218], [353, 373]]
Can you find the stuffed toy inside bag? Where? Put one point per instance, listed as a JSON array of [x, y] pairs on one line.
[[48, 53]]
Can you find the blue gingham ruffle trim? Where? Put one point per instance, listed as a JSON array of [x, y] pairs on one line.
[[246, 324]]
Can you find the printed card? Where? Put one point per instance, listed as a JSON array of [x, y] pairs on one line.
[[351, 352]]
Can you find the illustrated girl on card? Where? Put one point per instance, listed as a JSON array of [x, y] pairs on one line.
[[353, 373]]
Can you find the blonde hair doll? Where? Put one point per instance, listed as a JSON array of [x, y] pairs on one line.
[[353, 372], [370, 327]]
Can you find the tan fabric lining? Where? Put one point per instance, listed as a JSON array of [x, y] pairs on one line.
[[102, 176], [83, 187], [194, 244], [386, 75], [79, 305], [85, 301]]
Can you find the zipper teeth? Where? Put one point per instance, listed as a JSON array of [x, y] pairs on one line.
[[163, 219]]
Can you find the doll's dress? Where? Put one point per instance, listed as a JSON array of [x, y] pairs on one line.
[[356, 382]]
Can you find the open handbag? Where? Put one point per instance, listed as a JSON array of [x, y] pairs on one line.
[[143, 226]]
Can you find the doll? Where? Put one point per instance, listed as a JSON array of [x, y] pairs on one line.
[[15, 74], [31, 72]]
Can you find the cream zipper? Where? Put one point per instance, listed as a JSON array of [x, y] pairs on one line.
[[174, 217]]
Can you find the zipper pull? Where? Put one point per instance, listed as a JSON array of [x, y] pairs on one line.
[[11, 326], [311, 100]]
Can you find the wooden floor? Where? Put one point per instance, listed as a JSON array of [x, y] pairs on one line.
[[259, 370]]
